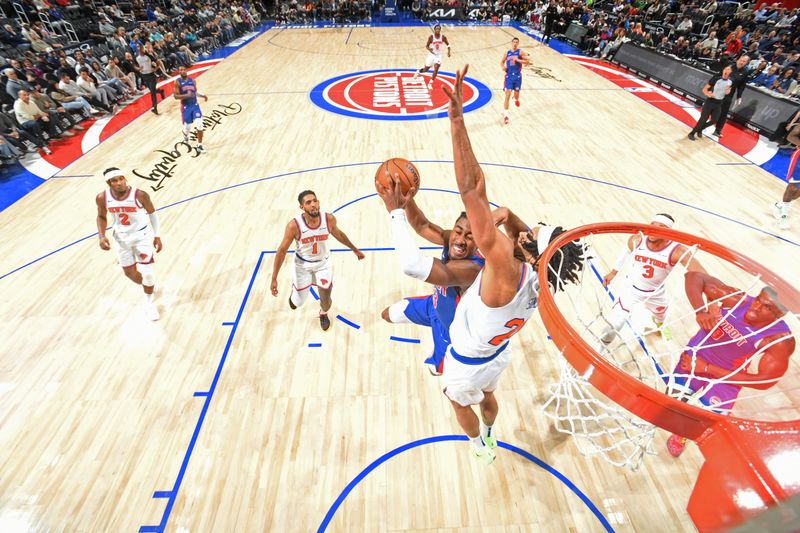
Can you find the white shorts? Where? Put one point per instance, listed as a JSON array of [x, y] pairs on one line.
[[433, 59], [135, 248], [306, 274], [630, 298], [465, 384]]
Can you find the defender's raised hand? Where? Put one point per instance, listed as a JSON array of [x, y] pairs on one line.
[[456, 96]]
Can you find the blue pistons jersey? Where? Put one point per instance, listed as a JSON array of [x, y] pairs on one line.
[[190, 109], [437, 312], [513, 80]]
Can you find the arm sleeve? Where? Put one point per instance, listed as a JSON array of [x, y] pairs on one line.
[[154, 224], [411, 261]]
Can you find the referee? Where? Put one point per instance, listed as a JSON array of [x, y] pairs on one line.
[[738, 83], [717, 88], [147, 66]]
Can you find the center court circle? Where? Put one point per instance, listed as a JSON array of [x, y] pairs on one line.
[[394, 94]]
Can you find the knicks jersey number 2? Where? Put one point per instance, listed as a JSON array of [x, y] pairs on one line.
[[515, 324]]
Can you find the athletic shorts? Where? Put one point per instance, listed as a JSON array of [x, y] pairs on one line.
[[465, 384], [513, 83], [420, 311], [135, 248], [433, 59], [191, 114], [312, 273]]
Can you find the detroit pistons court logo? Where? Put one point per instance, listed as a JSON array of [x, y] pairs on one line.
[[395, 95]]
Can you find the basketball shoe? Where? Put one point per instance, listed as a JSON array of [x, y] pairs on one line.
[[676, 444], [416, 75], [663, 330], [291, 305], [200, 150], [516, 102], [324, 321], [783, 223], [484, 454], [488, 439], [151, 311]]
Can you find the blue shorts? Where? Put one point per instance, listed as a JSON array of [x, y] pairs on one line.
[[420, 311], [190, 113], [513, 83]]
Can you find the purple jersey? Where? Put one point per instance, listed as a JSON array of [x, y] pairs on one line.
[[730, 344], [732, 341]]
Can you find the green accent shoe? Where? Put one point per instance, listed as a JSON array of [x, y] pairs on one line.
[[484, 454]]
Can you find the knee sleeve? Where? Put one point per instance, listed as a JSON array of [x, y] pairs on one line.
[[186, 129], [148, 273]]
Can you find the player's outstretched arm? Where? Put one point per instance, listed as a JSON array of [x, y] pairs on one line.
[[494, 246], [340, 236], [144, 199], [700, 284], [412, 262], [424, 227], [102, 221], [289, 234], [633, 240]]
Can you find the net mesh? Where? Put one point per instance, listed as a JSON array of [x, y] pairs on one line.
[[657, 339]]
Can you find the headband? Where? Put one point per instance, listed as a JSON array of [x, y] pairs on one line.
[[543, 238], [113, 174], [668, 222]]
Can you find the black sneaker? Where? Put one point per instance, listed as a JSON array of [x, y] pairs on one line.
[[690, 137], [291, 304], [324, 322]]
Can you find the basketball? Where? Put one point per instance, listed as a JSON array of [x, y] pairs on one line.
[[397, 166]]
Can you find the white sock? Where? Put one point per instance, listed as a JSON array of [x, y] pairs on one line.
[[477, 442], [148, 298], [784, 207], [486, 431]]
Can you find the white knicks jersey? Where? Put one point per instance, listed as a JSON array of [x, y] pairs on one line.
[[649, 268], [437, 45], [312, 246], [479, 331], [129, 216]]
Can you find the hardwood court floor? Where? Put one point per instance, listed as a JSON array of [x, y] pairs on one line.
[[98, 404]]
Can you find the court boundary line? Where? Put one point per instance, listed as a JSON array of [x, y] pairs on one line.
[[626, 188]]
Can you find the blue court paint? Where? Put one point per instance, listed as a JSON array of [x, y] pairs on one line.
[[313, 292], [185, 463], [403, 339], [200, 394], [162, 494], [349, 323], [502, 165], [227, 323], [321, 97], [445, 438], [315, 345]]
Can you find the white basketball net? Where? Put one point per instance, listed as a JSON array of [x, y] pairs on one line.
[[650, 352]]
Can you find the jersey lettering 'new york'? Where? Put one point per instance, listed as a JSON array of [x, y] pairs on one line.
[[650, 268], [513, 66], [312, 243], [129, 216]]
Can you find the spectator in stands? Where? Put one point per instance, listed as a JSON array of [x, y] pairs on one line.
[[708, 46], [131, 69], [767, 78], [32, 119], [783, 81], [68, 86], [739, 77], [118, 42], [55, 112], [685, 27], [733, 48], [103, 93], [717, 88], [14, 85], [8, 152], [16, 136], [103, 79], [70, 102], [10, 37], [113, 71]]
